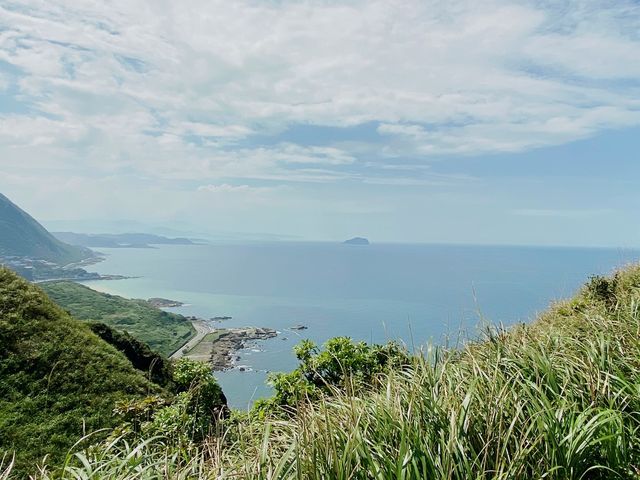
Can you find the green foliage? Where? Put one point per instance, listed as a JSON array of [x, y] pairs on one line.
[[190, 416], [343, 359], [602, 289], [58, 380], [163, 331], [342, 365], [136, 411], [205, 400]]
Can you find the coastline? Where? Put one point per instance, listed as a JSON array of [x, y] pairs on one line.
[[219, 346]]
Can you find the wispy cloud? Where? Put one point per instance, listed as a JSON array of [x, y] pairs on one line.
[[439, 77], [562, 213], [226, 189]]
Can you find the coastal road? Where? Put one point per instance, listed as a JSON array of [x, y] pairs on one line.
[[201, 330]]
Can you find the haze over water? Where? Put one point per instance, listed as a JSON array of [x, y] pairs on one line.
[[412, 293]]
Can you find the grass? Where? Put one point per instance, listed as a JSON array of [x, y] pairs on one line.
[[163, 331], [556, 399]]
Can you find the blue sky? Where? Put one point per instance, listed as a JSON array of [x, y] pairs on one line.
[[412, 121]]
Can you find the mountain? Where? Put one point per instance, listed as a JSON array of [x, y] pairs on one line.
[[58, 379], [22, 236], [119, 240]]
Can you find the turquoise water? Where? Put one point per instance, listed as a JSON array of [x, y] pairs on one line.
[[414, 293]]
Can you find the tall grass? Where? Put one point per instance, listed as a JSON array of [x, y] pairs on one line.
[[6, 466], [556, 399]]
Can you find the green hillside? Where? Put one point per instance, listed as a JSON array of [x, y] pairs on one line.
[[22, 236], [58, 379], [163, 331]]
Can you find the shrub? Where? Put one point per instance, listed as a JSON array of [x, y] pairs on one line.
[[342, 364], [192, 414]]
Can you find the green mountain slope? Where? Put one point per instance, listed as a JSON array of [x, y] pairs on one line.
[[21, 235], [58, 379], [163, 331]]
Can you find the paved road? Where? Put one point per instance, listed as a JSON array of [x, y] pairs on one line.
[[201, 330]]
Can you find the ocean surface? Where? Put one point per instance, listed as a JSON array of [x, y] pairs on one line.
[[412, 293]]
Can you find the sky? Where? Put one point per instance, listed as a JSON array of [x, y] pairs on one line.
[[500, 122]]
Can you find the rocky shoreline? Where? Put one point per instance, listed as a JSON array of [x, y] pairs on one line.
[[233, 340], [220, 346]]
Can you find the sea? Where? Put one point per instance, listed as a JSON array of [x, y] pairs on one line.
[[414, 294]]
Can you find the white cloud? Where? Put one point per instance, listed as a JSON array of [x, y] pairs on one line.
[[211, 130], [127, 85]]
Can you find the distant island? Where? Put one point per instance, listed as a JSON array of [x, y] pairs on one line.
[[357, 241]]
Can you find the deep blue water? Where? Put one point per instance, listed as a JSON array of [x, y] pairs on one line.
[[414, 293]]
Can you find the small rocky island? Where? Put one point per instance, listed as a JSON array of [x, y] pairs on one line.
[[357, 241]]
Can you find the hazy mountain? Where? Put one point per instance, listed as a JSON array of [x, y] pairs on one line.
[[22, 236], [118, 240]]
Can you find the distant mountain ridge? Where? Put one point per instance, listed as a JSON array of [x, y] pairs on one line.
[[22, 236], [118, 240]]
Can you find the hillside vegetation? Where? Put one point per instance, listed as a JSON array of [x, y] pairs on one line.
[[556, 399], [23, 236], [163, 331], [58, 380]]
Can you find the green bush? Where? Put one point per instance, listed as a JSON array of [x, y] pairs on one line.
[[193, 413], [206, 401], [602, 289], [342, 364]]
